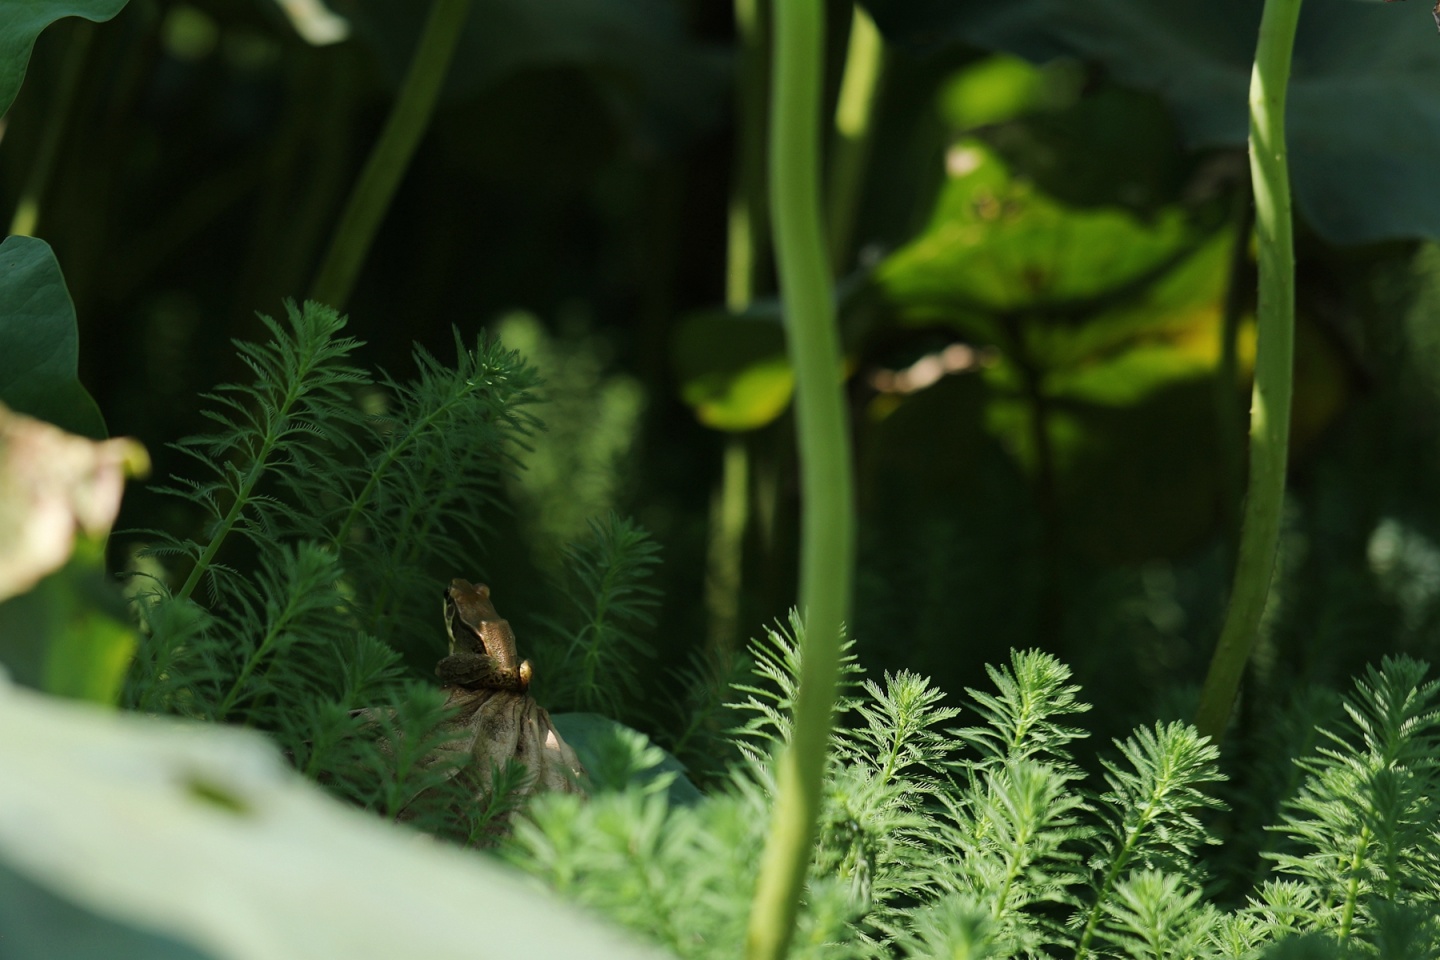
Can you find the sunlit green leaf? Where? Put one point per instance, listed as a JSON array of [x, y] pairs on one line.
[[732, 369], [1000, 88], [1104, 328], [1363, 123], [996, 244]]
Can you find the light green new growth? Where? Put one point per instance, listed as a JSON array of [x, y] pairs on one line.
[[1274, 362]]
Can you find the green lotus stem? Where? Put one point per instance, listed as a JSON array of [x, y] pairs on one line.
[[729, 516], [746, 228], [746, 248], [827, 543], [1274, 363], [388, 161], [854, 129]]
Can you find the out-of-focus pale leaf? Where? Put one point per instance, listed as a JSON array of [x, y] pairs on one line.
[[316, 23], [62, 627], [21, 21], [202, 834], [52, 484]]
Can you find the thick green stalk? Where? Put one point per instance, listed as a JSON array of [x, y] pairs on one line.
[[1228, 415], [1274, 363], [387, 162], [827, 542]]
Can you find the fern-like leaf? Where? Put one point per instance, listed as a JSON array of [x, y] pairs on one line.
[[1024, 718], [1150, 813], [416, 499], [1363, 825], [593, 653], [1158, 916], [301, 392], [770, 700]]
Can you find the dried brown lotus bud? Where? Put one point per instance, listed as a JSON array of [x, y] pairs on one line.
[[496, 722], [496, 726], [489, 730]]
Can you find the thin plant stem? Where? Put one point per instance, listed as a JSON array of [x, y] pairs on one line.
[[387, 163], [746, 247], [729, 516], [827, 536], [1274, 363], [854, 128], [57, 120]]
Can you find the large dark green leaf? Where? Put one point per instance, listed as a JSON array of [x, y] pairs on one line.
[[39, 343], [21, 22], [1364, 117], [639, 47]]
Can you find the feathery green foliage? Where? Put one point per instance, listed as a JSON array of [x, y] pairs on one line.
[[1020, 721], [700, 737], [287, 422], [1363, 824], [986, 841], [348, 522], [594, 651], [417, 500], [991, 839]]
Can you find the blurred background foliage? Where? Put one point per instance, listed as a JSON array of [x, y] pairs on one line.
[[1044, 279]]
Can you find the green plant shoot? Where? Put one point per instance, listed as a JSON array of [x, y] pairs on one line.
[[827, 521], [1274, 367]]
